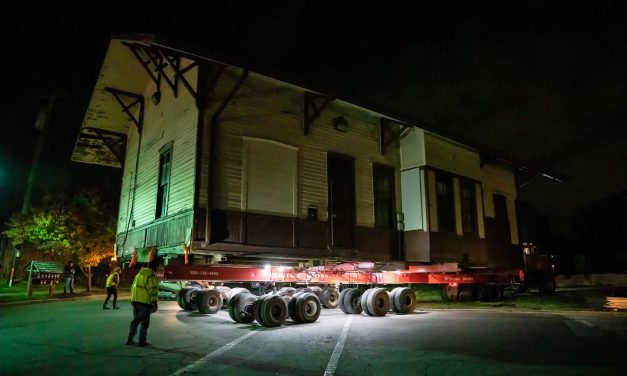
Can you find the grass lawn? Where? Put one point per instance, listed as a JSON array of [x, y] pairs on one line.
[[17, 292], [428, 297]]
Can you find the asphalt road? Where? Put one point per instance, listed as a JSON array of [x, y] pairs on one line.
[[79, 338]]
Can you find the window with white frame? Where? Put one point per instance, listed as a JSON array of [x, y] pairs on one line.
[[269, 177]]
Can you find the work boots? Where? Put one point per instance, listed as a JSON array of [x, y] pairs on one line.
[[104, 306], [130, 341]]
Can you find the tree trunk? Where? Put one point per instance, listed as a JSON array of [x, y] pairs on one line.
[[88, 278]]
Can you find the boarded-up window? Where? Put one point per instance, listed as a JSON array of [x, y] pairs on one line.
[[383, 189], [445, 202], [269, 177], [163, 184]]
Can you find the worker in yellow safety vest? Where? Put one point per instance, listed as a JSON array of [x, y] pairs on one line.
[[112, 288], [144, 293]]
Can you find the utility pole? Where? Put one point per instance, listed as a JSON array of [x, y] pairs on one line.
[[42, 124], [43, 120]]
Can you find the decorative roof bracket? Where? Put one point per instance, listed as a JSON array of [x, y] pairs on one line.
[[136, 100], [109, 138], [313, 105], [387, 134], [156, 59]]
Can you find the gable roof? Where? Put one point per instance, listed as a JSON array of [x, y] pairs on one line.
[[104, 113]]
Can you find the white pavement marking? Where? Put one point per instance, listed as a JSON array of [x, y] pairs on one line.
[[339, 347], [584, 322], [583, 328], [190, 369]]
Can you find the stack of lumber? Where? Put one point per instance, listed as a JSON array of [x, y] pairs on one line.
[[616, 303]]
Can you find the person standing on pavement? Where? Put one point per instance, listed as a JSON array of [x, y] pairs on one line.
[[112, 288], [68, 278], [144, 294]]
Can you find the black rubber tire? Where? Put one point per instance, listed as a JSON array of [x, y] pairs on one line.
[[520, 287], [364, 301], [224, 292], [330, 298], [352, 301], [180, 300], [342, 304], [233, 307], [273, 311], [245, 307], [308, 308], [235, 291], [292, 305], [546, 286], [304, 289], [378, 302], [316, 290], [286, 291], [188, 298], [404, 300], [477, 292], [209, 301], [257, 311], [490, 292], [392, 298]]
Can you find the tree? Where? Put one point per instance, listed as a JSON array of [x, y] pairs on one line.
[[81, 226], [96, 221]]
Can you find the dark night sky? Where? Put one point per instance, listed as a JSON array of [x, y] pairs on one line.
[[543, 81]]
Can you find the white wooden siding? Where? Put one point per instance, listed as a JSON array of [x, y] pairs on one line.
[[449, 156], [268, 109], [172, 120]]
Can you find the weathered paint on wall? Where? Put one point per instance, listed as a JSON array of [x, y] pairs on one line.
[[172, 120], [452, 157], [269, 109]]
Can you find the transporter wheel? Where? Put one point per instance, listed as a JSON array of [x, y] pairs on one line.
[[233, 307], [306, 308], [392, 299], [291, 307], [520, 287], [352, 301], [490, 292], [330, 298], [209, 301], [180, 300], [316, 290], [286, 291], [188, 298], [477, 292], [236, 291], [257, 311], [273, 311], [378, 302], [449, 293], [547, 286], [364, 301], [404, 300], [304, 289], [245, 307], [342, 302], [224, 291]]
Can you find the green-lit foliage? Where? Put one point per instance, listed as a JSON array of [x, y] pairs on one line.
[[81, 227]]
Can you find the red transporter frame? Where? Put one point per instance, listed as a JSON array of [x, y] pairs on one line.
[[345, 273]]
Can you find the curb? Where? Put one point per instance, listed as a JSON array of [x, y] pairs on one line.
[[92, 296]]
